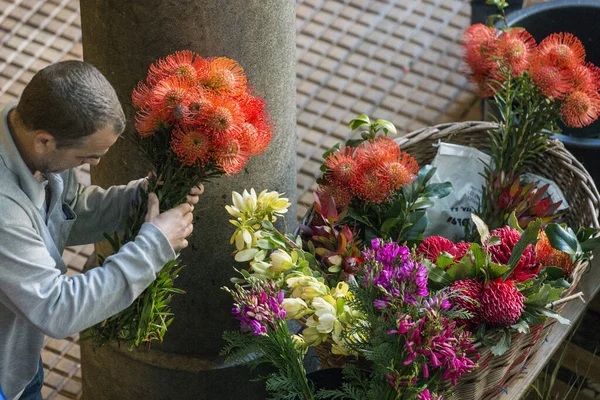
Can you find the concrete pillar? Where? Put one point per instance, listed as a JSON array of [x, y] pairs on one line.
[[122, 38]]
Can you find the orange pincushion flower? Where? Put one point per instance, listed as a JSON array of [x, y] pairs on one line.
[[515, 48], [341, 195], [192, 145], [342, 166], [585, 77], [232, 152], [580, 109], [147, 122], [178, 64], [257, 137], [377, 151], [223, 75], [224, 114], [370, 186], [552, 81], [168, 94], [196, 106], [548, 256], [562, 50], [399, 172], [141, 94], [479, 43]]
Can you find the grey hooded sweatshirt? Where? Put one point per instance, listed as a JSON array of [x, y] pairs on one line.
[[36, 297]]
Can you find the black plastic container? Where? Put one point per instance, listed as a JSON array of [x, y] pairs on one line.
[[581, 18]]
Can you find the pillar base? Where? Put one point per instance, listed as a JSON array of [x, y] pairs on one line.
[[154, 375]]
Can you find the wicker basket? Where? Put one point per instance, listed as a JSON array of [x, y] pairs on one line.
[[583, 199]]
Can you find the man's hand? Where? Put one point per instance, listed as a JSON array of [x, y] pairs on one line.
[[176, 223], [195, 192]]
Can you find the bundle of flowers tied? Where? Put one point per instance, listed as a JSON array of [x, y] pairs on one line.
[[404, 315], [196, 119]]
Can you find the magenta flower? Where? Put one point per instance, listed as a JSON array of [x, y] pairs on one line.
[[257, 309]]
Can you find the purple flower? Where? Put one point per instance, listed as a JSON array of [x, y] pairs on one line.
[[258, 308]]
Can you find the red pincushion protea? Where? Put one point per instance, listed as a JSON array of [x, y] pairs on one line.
[[551, 80], [369, 186], [192, 146], [501, 303], [342, 166], [147, 121], [377, 151], [179, 64], [168, 95], [562, 49], [585, 77], [232, 152], [223, 75], [515, 47], [399, 172], [479, 43], [580, 108], [468, 298], [223, 115], [527, 267], [549, 256]]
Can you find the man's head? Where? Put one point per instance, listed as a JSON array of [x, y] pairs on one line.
[[71, 115]]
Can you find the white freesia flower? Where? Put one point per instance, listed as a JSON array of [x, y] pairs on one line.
[[294, 308]]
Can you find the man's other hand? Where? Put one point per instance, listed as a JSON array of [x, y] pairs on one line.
[[176, 223], [194, 195]]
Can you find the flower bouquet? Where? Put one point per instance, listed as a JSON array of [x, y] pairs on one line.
[[531, 88], [196, 119], [400, 340]]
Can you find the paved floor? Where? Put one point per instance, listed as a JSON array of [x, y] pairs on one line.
[[394, 59]]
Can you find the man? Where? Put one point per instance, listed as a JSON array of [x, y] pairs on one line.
[[68, 115]]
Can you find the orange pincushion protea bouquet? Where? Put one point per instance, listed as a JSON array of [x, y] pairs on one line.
[[532, 87], [196, 119]]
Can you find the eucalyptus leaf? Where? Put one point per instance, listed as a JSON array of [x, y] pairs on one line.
[[552, 314], [503, 343], [481, 226], [513, 222]]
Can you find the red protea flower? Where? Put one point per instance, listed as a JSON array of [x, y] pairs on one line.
[[431, 247], [342, 196], [147, 121], [377, 151], [562, 50], [197, 105], [369, 186], [192, 145], [479, 43], [468, 298], [515, 47], [551, 80], [141, 95], [232, 152], [258, 138], [168, 95], [501, 303], [224, 114], [178, 64], [548, 256], [223, 75], [585, 77], [460, 249], [527, 267], [580, 108], [399, 172], [341, 166]]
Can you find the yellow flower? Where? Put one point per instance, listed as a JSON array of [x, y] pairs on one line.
[[271, 203], [294, 308], [313, 337], [306, 287], [243, 204], [341, 290], [281, 261], [325, 315]]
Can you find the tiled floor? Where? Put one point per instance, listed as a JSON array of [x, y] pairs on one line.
[[392, 59]]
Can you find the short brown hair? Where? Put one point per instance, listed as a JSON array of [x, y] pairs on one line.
[[70, 100]]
